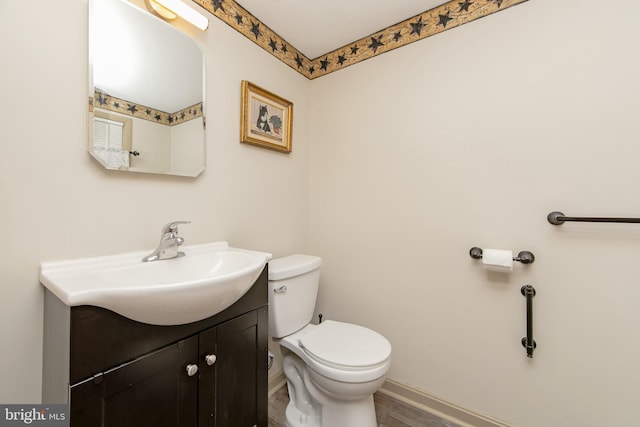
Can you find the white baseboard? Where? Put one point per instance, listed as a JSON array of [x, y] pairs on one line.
[[417, 399], [447, 410]]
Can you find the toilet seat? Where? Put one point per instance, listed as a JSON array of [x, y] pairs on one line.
[[334, 359], [346, 346]]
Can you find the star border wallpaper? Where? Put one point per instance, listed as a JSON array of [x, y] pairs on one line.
[[441, 18]]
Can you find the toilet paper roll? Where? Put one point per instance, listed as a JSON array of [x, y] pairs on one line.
[[497, 260]]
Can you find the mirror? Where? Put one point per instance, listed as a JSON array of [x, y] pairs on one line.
[[146, 92]]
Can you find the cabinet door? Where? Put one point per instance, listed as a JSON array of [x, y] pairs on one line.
[[153, 391], [238, 397]]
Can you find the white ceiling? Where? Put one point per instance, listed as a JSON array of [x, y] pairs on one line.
[[319, 27]]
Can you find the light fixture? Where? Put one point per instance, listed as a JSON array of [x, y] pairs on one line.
[[170, 9]]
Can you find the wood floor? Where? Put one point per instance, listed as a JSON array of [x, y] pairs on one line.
[[389, 412]]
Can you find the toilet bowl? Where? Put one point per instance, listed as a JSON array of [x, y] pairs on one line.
[[333, 368]]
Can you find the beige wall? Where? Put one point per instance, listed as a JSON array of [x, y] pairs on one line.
[[58, 203], [186, 146], [470, 138]]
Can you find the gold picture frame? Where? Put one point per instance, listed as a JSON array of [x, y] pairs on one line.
[[266, 119]]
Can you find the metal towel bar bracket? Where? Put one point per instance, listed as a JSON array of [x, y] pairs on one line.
[[558, 218]]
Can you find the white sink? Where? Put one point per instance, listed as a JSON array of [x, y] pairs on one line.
[[208, 279]]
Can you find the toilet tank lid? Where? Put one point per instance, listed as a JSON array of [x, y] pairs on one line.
[[293, 265]]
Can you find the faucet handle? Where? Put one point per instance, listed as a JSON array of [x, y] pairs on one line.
[[172, 227]]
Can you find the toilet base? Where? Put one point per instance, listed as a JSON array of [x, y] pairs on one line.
[[320, 401], [295, 418], [359, 413]]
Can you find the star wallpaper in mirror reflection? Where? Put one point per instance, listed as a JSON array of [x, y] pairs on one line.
[[118, 105]]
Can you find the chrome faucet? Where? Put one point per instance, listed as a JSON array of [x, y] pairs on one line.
[[169, 243]]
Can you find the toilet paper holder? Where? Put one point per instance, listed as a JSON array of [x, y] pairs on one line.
[[525, 257]]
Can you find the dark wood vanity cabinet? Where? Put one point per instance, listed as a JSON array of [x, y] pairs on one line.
[[152, 391], [209, 373]]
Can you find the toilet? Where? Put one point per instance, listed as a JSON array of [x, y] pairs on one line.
[[332, 368]]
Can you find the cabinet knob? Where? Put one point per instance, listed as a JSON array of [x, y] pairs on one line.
[[192, 370], [210, 359]]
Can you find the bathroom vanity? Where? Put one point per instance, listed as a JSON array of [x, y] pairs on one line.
[[114, 371]]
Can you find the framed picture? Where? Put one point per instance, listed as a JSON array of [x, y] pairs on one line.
[[266, 119]]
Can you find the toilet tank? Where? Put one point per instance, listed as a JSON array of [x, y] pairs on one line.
[[293, 287]]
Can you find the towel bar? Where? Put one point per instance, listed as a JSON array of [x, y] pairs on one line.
[[558, 218]]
